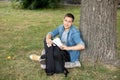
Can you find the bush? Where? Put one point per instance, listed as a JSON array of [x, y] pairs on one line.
[[34, 4], [16, 4], [53, 3]]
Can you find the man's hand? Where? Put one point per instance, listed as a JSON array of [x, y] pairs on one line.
[[49, 42], [64, 47]]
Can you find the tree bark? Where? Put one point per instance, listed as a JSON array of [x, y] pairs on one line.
[[98, 27]]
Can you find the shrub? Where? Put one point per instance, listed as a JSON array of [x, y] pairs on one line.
[[53, 3], [16, 4], [34, 4]]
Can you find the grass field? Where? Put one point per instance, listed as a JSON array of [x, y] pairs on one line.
[[22, 33]]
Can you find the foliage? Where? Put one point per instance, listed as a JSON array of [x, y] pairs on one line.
[[53, 3], [34, 4], [17, 4], [73, 1]]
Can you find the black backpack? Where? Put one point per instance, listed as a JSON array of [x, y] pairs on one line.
[[55, 60]]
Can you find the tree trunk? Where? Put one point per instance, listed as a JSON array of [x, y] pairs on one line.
[[98, 27]]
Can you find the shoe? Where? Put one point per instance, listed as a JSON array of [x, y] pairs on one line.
[[77, 64], [42, 61], [72, 64], [43, 66], [43, 57], [34, 57], [43, 52]]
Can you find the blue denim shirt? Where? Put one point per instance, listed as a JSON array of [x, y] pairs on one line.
[[73, 39]]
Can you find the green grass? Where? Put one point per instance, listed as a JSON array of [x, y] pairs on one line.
[[22, 33]]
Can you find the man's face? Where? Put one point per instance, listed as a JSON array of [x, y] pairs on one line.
[[67, 22]]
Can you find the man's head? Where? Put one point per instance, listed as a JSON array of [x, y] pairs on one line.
[[68, 20], [69, 15]]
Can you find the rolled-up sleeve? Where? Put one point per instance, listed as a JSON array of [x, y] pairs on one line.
[[54, 33]]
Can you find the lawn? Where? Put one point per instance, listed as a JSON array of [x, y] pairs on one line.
[[22, 33]]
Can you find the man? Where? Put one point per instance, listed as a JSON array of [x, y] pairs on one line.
[[70, 38]]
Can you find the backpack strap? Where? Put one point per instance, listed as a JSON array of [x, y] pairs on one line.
[[66, 58], [65, 72]]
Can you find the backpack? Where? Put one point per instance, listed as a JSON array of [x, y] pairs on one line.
[[55, 60]]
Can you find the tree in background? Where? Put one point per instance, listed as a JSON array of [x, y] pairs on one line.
[[34, 4], [98, 27]]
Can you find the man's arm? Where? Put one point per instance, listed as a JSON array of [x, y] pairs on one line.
[[76, 47], [48, 39]]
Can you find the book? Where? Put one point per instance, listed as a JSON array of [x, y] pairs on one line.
[[57, 41]]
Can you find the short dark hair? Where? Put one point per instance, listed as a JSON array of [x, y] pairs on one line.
[[69, 15]]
